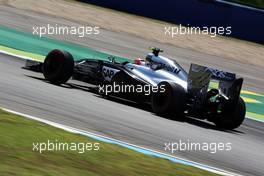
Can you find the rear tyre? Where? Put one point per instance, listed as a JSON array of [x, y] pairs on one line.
[[170, 102], [58, 66], [233, 119]]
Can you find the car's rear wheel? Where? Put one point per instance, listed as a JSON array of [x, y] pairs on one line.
[[58, 66], [232, 119], [169, 100]]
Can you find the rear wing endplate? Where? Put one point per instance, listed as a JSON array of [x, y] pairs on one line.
[[200, 76]]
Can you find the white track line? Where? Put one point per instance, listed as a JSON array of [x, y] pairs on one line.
[[15, 55], [74, 130], [128, 145]]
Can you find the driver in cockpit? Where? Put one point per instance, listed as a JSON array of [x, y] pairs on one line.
[[153, 59]]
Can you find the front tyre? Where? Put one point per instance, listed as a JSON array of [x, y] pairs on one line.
[[232, 119], [58, 66]]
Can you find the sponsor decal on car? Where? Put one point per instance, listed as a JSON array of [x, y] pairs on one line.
[[109, 72]]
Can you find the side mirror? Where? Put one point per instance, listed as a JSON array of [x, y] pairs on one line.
[[111, 59]]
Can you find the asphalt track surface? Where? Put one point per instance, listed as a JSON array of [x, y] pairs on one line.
[[75, 105]]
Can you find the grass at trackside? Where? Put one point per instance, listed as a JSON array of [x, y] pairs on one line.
[[17, 157], [253, 3]]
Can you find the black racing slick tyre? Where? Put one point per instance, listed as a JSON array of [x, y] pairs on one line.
[[58, 66], [169, 100], [233, 119]]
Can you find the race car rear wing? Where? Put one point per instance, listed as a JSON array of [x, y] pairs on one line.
[[200, 77]]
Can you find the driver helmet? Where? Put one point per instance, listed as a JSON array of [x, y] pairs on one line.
[[155, 53]]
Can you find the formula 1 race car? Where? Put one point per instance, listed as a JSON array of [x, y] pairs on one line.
[[158, 81]]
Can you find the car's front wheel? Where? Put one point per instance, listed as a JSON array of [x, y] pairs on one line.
[[58, 66]]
